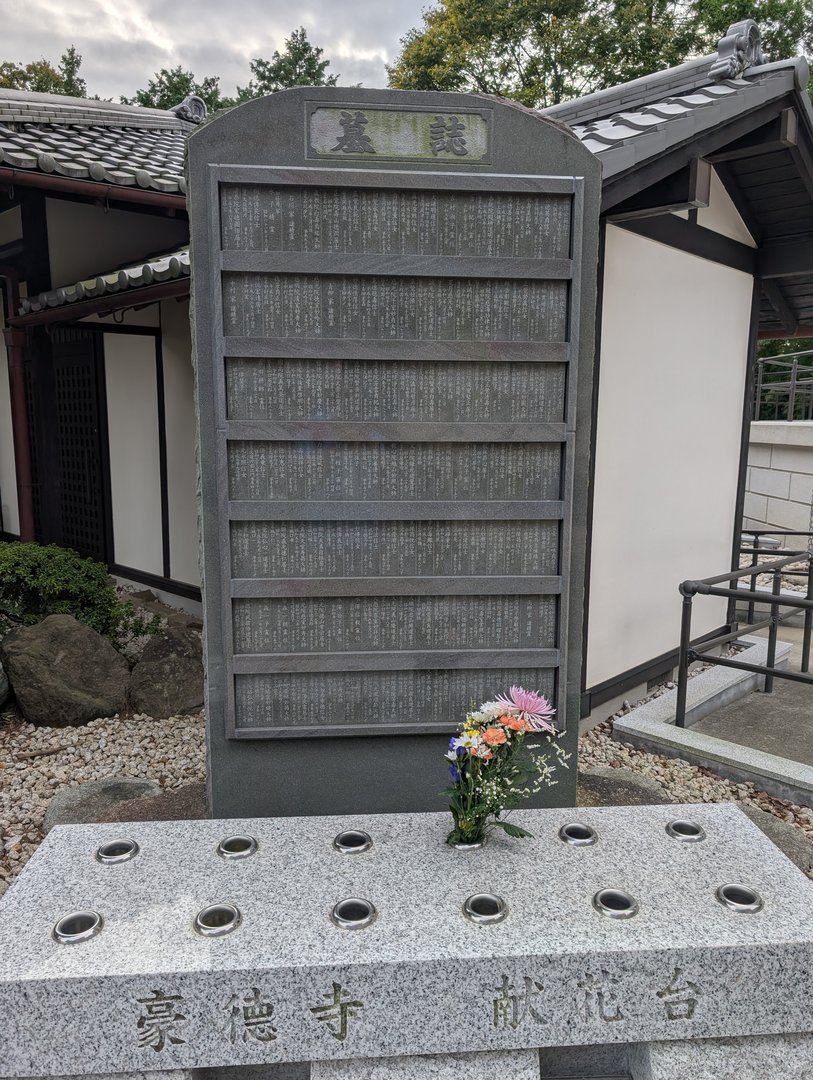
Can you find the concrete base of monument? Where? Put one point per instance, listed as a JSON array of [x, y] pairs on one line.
[[363, 943]]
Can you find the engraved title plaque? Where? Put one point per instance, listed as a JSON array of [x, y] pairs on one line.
[[387, 371]]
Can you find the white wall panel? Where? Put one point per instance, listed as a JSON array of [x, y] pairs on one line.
[[8, 479], [135, 477], [673, 360], [722, 216], [180, 413], [84, 240]]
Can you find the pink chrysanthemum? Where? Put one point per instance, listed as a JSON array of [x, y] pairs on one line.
[[530, 706]]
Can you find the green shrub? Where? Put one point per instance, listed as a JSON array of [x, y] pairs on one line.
[[36, 581]]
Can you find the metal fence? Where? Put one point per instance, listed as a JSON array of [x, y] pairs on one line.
[[784, 389], [782, 563]]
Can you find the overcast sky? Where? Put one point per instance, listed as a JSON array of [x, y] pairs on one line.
[[123, 42]]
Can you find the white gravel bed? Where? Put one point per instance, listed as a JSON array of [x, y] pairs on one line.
[[35, 762]]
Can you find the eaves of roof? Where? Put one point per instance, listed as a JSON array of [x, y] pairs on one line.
[[160, 269], [652, 125], [75, 140]]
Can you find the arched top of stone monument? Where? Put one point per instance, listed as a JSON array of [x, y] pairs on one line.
[[347, 127]]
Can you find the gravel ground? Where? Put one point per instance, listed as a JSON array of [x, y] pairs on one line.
[[35, 762]]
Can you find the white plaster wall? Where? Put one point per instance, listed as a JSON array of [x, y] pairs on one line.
[[673, 358], [10, 229], [11, 225], [8, 479], [722, 216], [85, 241], [135, 477], [180, 414]]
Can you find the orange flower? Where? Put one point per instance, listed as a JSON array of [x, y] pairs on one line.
[[515, 723], [494, 736]]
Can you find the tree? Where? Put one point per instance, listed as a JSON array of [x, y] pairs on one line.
[[41, 77], [541, 52], [69, 65], [786, 25], [171, 85], [300, 64], [524, 49]]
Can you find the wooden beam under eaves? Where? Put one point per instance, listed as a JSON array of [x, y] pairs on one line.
[[779, 303], [781, 133], [792, 258], [688, 188]]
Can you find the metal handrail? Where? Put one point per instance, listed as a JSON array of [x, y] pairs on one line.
[[690, 651], [780, 395]]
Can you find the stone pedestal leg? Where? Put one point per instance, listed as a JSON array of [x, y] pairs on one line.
[[507, 1065]]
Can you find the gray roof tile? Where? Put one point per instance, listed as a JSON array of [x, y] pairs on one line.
[[653, 122], [87, 140], [174, 264]]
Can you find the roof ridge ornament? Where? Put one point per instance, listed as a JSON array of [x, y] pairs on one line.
[[740, 49], [192, 109]]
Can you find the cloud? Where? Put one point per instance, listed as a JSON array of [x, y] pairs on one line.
[[123, 42]]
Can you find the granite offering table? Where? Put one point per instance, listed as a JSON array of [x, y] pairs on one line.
[[618, 931]]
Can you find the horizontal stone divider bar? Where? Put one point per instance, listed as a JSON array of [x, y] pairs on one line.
[[479, 585], [416, 660], [396, 179], [386, 431], [394, 265], [394, 510], [335, 731], [540, 352]]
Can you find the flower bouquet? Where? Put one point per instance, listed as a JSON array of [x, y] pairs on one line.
[[493, 768]]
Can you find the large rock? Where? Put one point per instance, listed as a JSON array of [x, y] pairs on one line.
[[187, 803], [5, 687], [91, 802], [168, 679], [787, 837], [601, 786], [62, 672]]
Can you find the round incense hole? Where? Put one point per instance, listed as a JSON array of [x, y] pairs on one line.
[[485, 909], [217, 920], [739, 898], [78, 926], [117, 851], [615, 904], [353, 841], [578, 835], [237, 847], [687, 831], [353, 914]]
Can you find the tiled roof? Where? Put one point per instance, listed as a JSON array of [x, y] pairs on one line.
[[93, 140], [626, 125], [174, 264]]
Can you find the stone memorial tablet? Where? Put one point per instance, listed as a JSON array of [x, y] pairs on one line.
[[393, 308]]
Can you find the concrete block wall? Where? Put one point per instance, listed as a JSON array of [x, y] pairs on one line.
[[779, 484]]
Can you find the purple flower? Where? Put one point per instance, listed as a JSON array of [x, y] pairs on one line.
[[454, 772]]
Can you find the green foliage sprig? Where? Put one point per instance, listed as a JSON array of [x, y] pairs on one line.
[[37, 581]]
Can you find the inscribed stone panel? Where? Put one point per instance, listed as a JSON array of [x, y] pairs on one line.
[[387, 698], [370, 471], [398, 623], [409, 391], [339, 549], [304, 307]]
